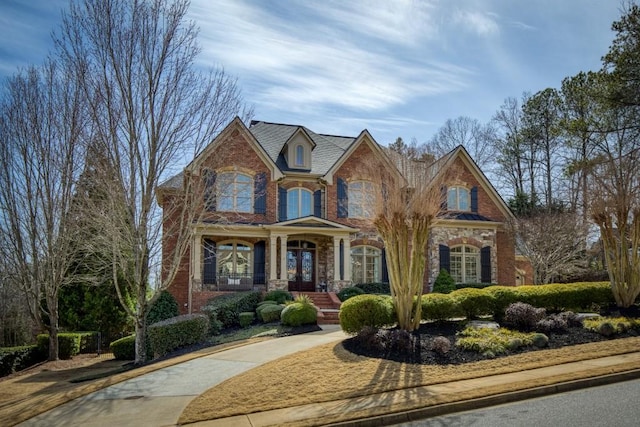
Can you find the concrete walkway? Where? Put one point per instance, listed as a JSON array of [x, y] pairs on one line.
[[158, 398]]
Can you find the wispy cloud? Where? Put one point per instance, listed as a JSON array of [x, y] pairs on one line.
[[482, 23]]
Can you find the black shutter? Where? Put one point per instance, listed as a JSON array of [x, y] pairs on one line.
[[485, 264], [209, 177], [282, 204], [474, 199], [443, 196], [317, 203], [258, 263], [343, 198], [445, 258], [260, 194], [385, 272], [209, 269]]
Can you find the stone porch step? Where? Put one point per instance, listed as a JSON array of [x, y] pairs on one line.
[[328, 306]]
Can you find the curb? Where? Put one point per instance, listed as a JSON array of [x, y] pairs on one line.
[[483, 402]]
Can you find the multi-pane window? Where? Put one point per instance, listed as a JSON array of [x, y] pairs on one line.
[[366, 266], [234, 261], [299, 203], [361, 199], [465, 264], [458, 199], [234, 192]]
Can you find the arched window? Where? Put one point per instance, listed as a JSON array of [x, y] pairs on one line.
[[458, 199], [465, 264], [235, 262], [234, 192], [299, 155], [361, 199], [299, 203], [366, 264]]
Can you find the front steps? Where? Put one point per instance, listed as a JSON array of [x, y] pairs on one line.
[[328, 306]]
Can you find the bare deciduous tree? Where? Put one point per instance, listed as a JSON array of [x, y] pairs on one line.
[[40, 161], [150, 111]]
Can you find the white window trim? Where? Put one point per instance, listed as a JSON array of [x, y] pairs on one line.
[[363, 259], [300, 190], [463, 255]]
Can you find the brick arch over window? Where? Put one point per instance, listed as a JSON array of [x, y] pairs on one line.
[[469, 241]]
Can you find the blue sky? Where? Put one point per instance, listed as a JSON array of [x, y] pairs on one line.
[[394, 67]]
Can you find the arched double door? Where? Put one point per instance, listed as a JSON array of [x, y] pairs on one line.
[[301, 266]]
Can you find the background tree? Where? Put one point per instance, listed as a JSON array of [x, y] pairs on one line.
[[40, 160], [413, 150], [511, 150], [150, 109]]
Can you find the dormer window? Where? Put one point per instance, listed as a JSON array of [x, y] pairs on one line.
[[299, 156], [458, 199]]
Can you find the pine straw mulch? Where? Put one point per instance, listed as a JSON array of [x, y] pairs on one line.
[[330, 372]]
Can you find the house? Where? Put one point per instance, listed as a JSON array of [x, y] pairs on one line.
[[286, 208]]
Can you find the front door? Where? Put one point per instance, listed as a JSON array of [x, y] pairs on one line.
[[301, 267]]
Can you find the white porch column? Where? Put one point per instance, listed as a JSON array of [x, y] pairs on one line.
[[196, 257], [347, 258], [273, 250], [336, 259], [283, 258]]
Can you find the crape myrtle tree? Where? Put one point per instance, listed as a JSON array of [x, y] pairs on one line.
[[150, 109], [405, 207], [41, 153]]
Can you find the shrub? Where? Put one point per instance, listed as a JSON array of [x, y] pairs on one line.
[[227, 308], [473, 302], [271, 313], [165, 307], [375, 288], [473, 285], [439, 307], [553, 323], [522, 316], [441, 345], [492, 342], [401, 340], [300, 312], [444, 283], [68, 344], [502, 297], [278, 295], [124, 348], [371, 338], [177, 332], [266, 302], [247, 318], [540, 340], [349, 292], [13, 359], [387, 339], [609, 326], [366, 310]]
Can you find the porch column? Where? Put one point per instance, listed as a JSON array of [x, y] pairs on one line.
[[347, 258], [196, 258], [283, 257], [336, 259], [273, 250]]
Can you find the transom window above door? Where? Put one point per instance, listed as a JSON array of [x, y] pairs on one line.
[[299, 203]]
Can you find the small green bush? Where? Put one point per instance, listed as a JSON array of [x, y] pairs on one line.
[[492, 342], [227, 308], [68, 344], [473, 302], [170, 334], [366, 310], [609, 326], [502, 297], [278, 295], [165, 307], [375, 288], [349, 292], [271, 313], [267, 302], [247, 318], [14, 359], [444, 283], [124, 348], [523, 316], [540, 340], [300, 312], [437, 306]]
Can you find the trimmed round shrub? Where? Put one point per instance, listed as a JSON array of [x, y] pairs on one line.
[[165, 307], [247, 318], [366, 310], [522, 316], [540, 340], [299, 313], [375, 288], [124, 348], [439, 307], [278, 295], [441, 345], [473, 302], [271, 313], [349, 292], [444, 283], [268, 302]]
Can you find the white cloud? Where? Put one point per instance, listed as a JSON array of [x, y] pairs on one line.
[[482, 23]]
